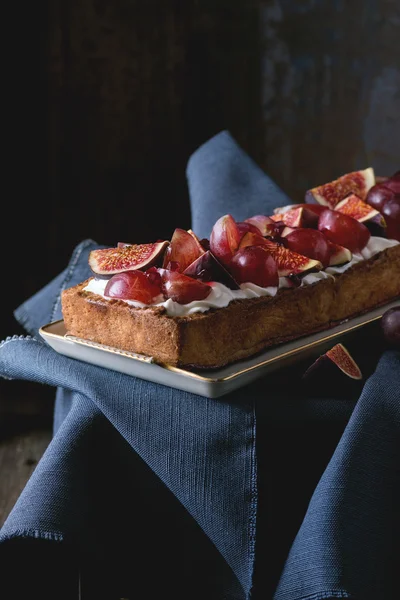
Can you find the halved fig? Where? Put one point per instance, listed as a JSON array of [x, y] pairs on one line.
[[108, 261], [181, 288], [330, 194], [225, 238], [208, 268], [343, 230], [315, 208], [254, 264], [297, 217], [339, 255], [354, 207], [333, 363], [263, 223], [288, 262], [133, 285], [309, 242], [183, 249]]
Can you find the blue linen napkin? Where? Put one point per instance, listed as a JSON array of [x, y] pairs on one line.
[[140, 463]]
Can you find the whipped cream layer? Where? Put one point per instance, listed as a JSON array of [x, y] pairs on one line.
[[221, 295]]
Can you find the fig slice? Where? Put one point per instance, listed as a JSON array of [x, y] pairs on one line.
[[183, 249], [354, 207], [288, 262], [109, 261], [330, 194], [208, 268], [301, 216], [335, 361]]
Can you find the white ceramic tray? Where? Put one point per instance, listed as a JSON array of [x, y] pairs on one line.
[[213, 383]]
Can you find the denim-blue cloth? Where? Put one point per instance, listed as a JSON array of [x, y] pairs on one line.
[[175, 477]]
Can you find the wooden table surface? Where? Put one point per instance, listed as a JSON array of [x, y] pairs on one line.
[[26, 418]]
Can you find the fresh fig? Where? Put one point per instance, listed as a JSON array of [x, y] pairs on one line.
[[333, 367], [288, 262], [330, 194], [354, 207], [297, 217], [183, 249], [109, 261], [208, 268]]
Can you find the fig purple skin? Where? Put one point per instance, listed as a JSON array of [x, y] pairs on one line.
[[391, 326], [208, 268]]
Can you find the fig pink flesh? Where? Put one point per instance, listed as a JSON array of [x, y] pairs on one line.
[[342, 359]]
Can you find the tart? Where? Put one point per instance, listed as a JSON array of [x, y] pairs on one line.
[[208, 303]]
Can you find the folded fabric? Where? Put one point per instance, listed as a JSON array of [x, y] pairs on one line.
[[158, 490]]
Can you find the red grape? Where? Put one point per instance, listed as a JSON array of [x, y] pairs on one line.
[[391, 326], [343, 230], [255, 265], [181, 288], [309, 242], [393, 183], [378, 195], [132, 285], [225, 238], [391, 213]]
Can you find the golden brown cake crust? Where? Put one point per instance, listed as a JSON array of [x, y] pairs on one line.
[[245, 327]]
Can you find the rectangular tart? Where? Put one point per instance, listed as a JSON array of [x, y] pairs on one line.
[[221, 336]]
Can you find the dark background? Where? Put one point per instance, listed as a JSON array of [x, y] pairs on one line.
[[105, 102]]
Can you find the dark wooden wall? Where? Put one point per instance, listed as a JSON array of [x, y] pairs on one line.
[[109, 99]]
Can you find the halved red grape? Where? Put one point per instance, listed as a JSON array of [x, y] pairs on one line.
[[253, 264], [183, 249], [343, 230], [244, 227], [263, 223], [309, 242], [225, 238], [391, 326], [181, 288], [133, 285]]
